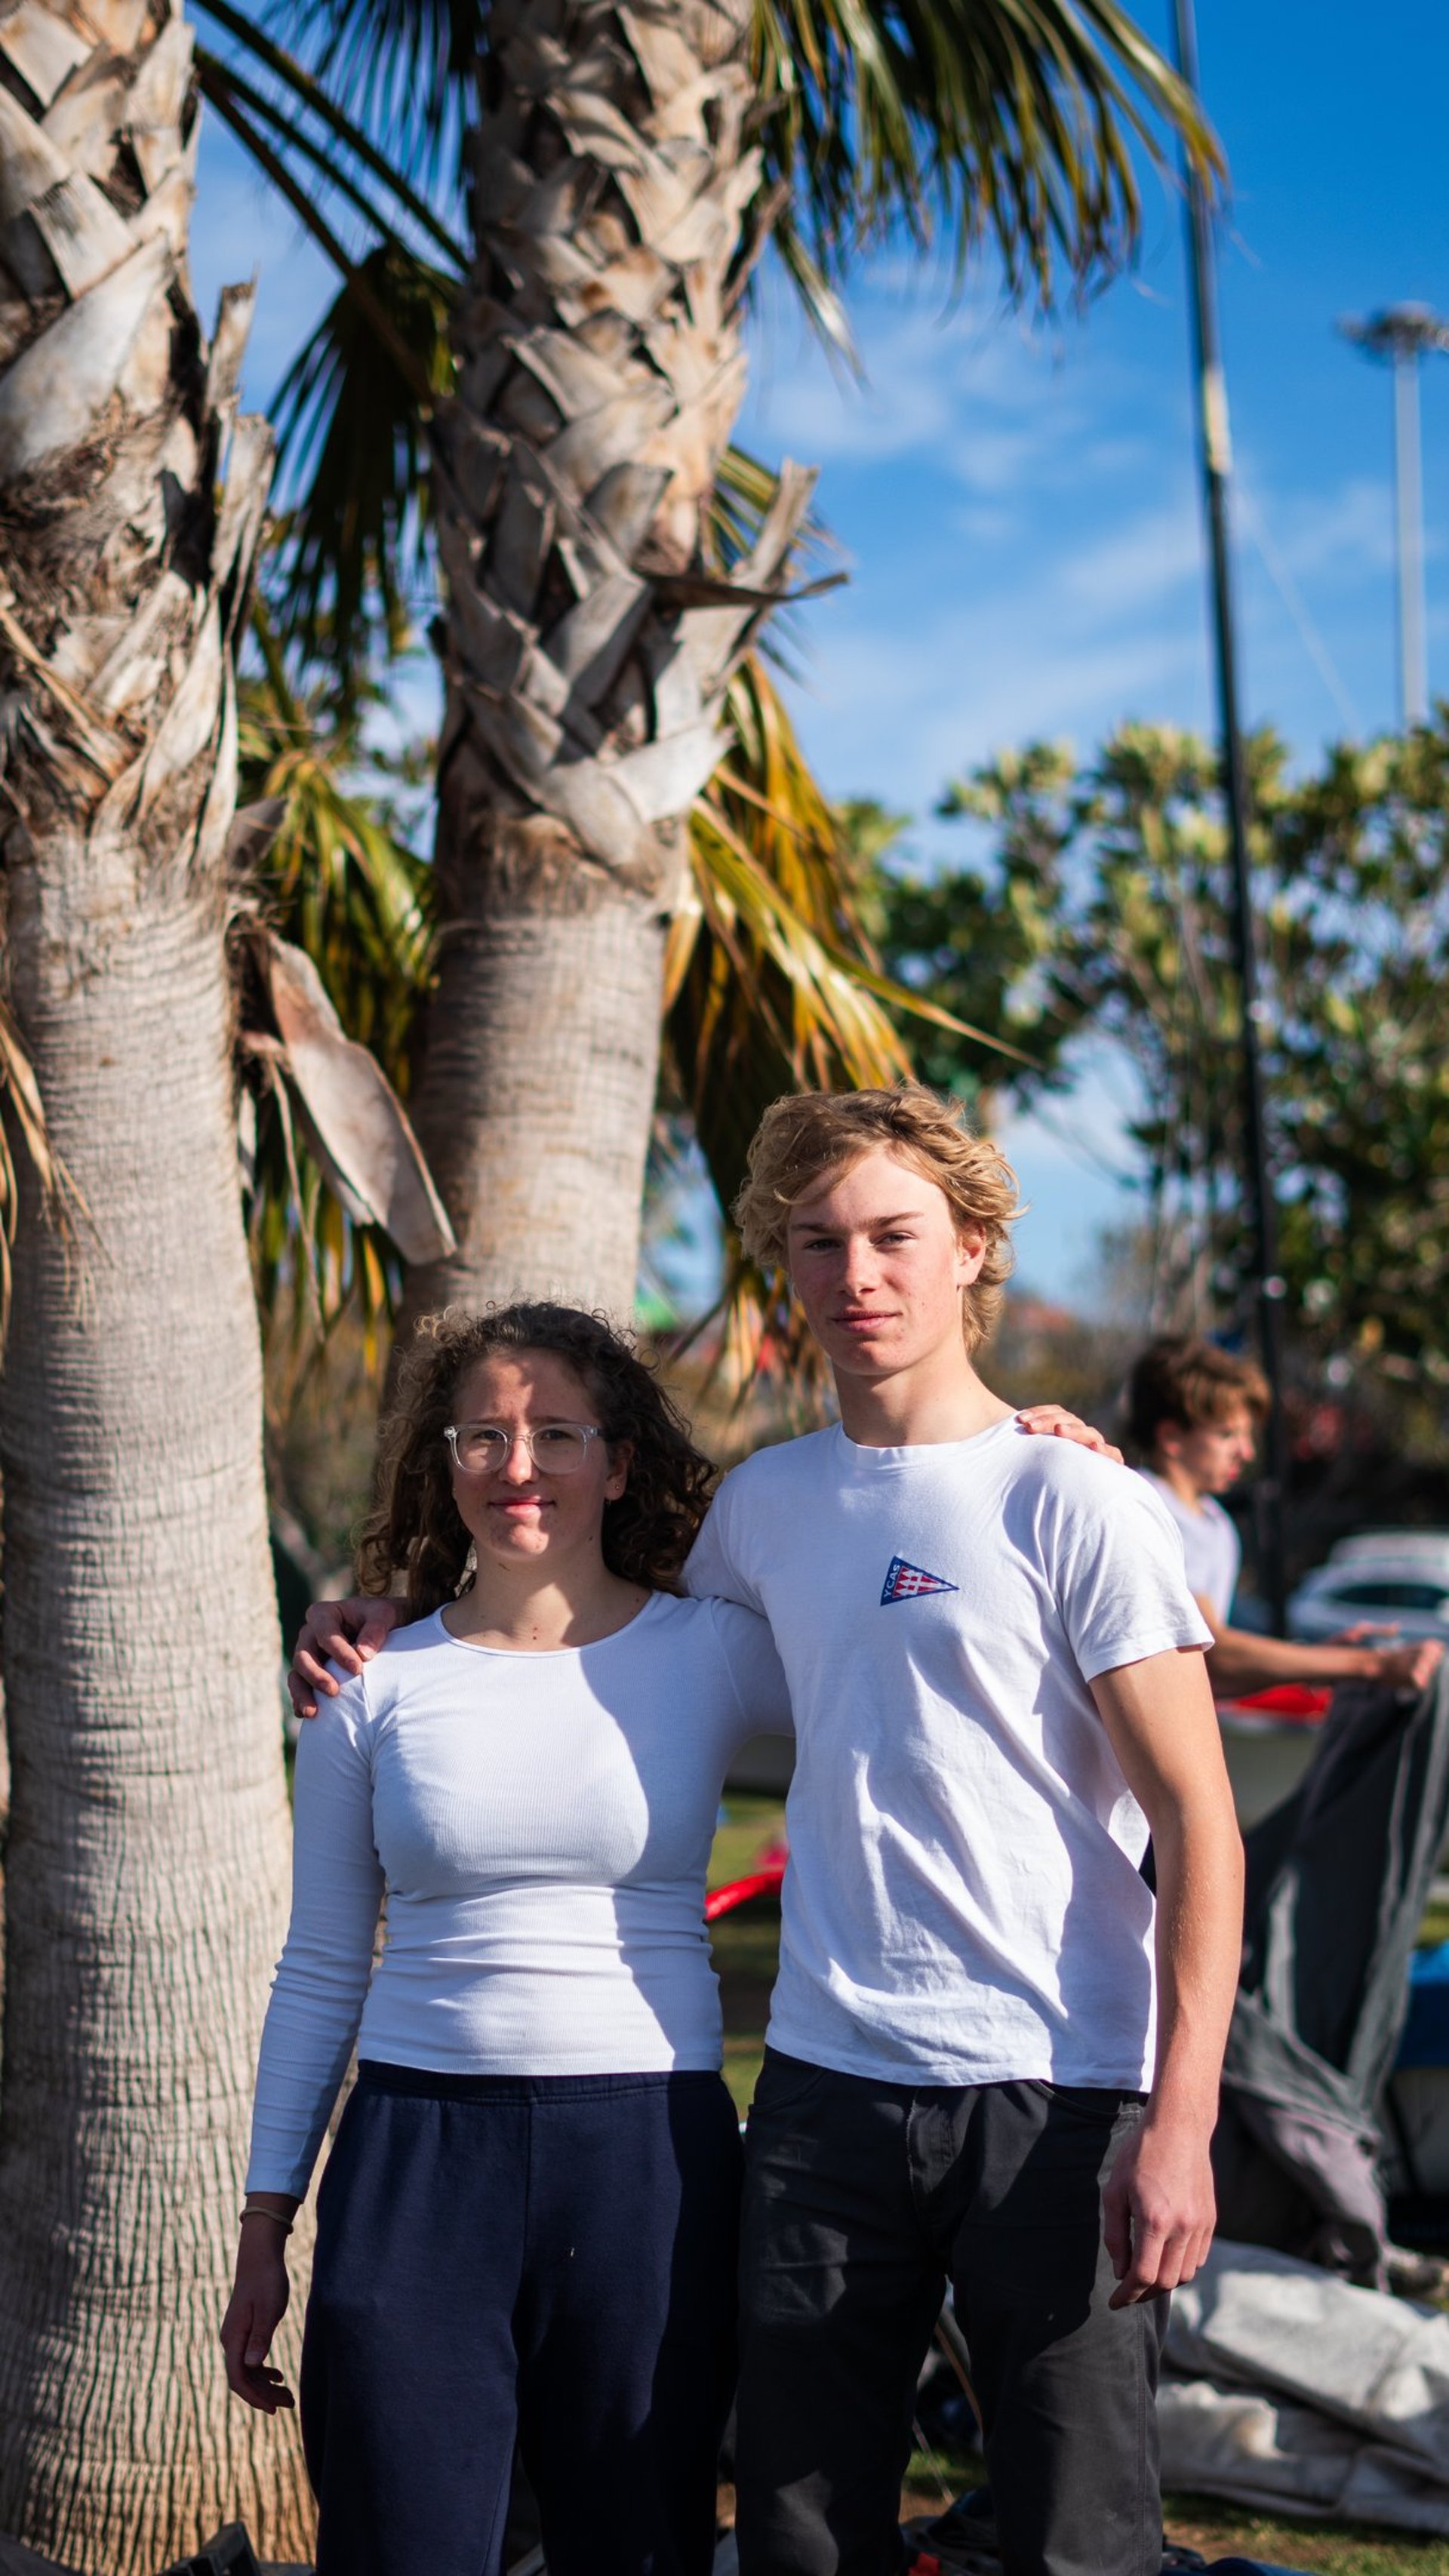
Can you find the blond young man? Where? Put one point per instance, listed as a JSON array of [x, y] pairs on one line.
[[991, 2060], [1193, 1416], [997, 1680]]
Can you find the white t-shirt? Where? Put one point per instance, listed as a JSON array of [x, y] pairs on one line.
[[963, 1903], [541, 1825], [1211, 1548]]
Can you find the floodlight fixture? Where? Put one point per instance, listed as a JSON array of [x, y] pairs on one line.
[[1400, 336]]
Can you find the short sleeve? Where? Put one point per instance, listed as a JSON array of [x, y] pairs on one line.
[[755, 1670], [713, 1570], [1116, 1562]]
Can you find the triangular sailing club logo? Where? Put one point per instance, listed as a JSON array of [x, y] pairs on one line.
[[907, 1582]]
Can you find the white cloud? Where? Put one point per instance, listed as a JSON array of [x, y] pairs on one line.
[[1046, 644], [1345, 532], [975, 392], [1138, 561]]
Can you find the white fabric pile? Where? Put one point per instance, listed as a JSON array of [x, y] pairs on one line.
[[1292, 2392]]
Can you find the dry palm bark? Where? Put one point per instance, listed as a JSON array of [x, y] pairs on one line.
[[148, 1835], [588, 641]]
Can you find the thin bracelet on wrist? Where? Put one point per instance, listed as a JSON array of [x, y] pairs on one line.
[[255, 2209]]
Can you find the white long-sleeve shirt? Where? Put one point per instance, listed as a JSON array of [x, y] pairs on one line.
[[540, 1825]]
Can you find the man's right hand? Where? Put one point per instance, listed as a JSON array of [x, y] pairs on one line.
[[1406, 1667], [348, 1633]]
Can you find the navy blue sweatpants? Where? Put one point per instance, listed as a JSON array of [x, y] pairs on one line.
[[543, 2258]]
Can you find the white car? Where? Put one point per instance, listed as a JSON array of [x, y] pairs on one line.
[[1397, 1578]]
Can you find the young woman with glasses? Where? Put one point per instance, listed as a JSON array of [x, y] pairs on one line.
[[526, 2226]]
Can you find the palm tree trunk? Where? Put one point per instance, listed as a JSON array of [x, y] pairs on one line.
[[600, 371], [148, 1831]]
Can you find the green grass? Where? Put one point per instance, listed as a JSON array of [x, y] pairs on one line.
[[750, 1826], [1335, 2548], [1219, 2530], [935, 2479]]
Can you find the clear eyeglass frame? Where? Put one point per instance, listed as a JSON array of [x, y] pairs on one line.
[[502, 1443]]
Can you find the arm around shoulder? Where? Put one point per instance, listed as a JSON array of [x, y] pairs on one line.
[[345, 1633]]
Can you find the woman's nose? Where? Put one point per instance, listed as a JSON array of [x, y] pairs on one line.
[[518, 1465]]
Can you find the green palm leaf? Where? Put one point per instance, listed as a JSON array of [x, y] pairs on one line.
[[391, 91], [352, 430], [964, 121], [407, 65]]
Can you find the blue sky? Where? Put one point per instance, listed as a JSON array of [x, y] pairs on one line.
[[1017, 505]]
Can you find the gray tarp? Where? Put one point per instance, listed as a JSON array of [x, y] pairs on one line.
[[1293, 2391], [1338, 1877]]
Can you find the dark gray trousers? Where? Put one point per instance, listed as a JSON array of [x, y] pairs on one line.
[[862, 2200]]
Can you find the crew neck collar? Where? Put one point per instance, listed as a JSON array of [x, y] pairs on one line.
[[550, 1654], [868, 1459], [1200, 1510]]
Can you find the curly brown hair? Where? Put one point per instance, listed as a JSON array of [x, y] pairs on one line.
[[414, 1527]]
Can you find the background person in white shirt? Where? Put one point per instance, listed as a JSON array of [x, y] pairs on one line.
[[995, 1673], [1193, 1417]]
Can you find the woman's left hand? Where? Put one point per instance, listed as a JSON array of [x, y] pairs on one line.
[[1054, 1420]]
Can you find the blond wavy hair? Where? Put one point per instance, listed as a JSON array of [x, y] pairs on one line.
[[811, 1133]]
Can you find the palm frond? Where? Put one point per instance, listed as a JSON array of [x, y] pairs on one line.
[[227, 101], [341, 879], [229, 89], [407, 65], [303, 93], [342, 882], [353, 435], [965, 120]]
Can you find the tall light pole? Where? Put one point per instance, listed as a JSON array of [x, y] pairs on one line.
[[1216, 459], [1401, 334]]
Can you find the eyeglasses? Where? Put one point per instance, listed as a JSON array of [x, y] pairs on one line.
[[555, 1449]]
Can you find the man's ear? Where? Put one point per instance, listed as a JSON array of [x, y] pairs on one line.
[[970, 1252]]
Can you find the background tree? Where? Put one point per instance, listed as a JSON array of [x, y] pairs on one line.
[[1104, 913], [147, 1848]]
